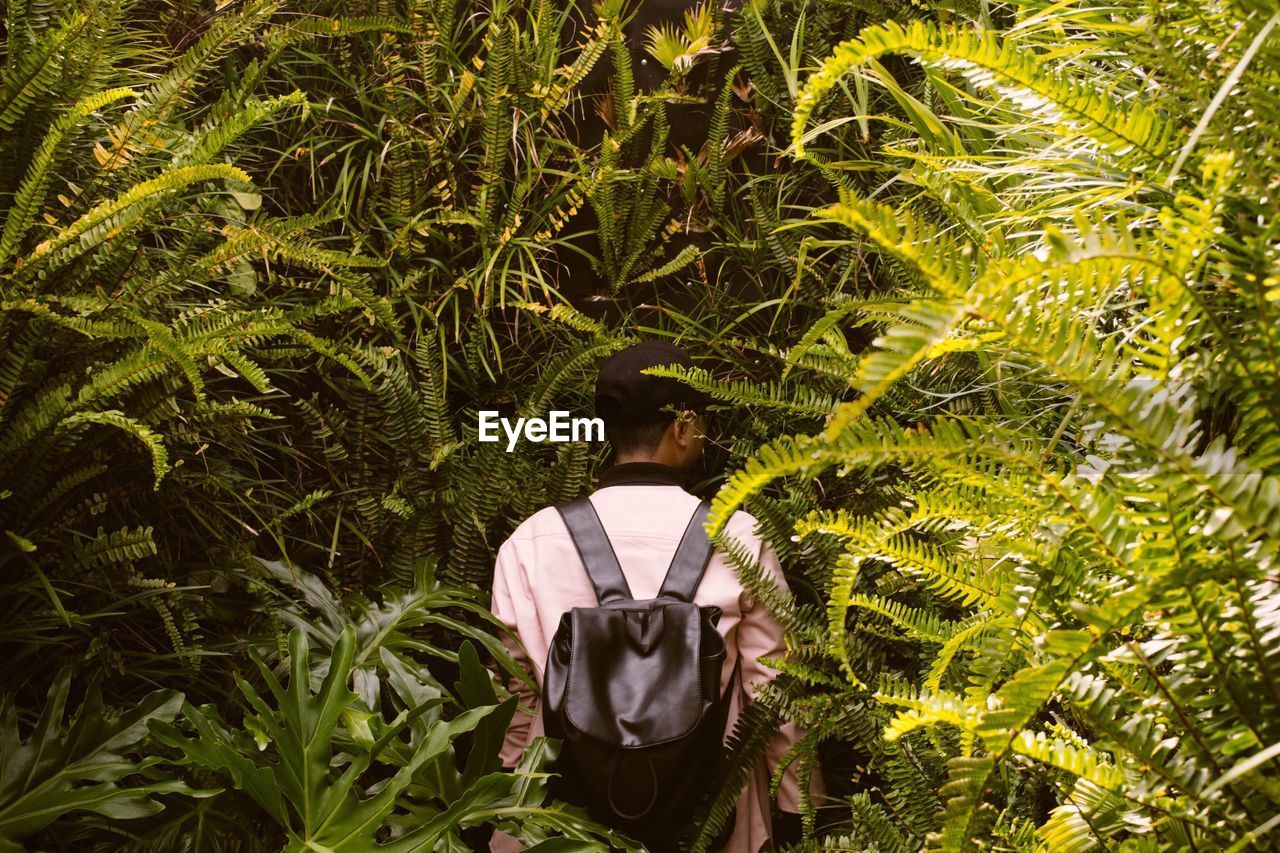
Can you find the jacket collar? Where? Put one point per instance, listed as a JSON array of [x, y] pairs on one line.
[[641, 474]]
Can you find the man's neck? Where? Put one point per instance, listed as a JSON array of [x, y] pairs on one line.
[[641, 472]]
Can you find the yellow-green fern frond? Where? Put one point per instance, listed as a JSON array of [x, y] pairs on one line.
[[794, 397], [988, 60], [35, 184], [114, 215]]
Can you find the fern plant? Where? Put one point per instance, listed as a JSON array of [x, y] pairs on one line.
[[146, 298], [1094, 533]]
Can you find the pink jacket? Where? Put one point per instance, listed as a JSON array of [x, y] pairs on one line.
[[539, 576]]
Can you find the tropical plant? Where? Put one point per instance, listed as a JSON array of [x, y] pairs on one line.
[[397, 626], [305, 760], [1003, 274], [95, 762], [1078, 546], [136, 346]]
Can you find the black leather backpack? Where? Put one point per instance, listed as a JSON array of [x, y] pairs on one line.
[[633, 689]]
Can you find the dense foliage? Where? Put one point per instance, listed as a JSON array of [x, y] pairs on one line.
[[986, 293]]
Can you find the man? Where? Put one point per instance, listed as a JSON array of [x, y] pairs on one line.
[[657, 433]]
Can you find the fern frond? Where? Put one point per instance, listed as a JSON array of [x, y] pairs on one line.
[[682, 259], [35, 184], [119, 546], [717, 137], [795, 397], [745, 746], [564, 369], [1078, 760], [945, 263], [921, 709], [110, 217], [305, 28], [988, 60], [119, 420], [178, 85], [35, 71], [220, 131]]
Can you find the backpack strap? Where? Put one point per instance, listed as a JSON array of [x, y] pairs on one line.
[[690, 560], [596, 552]]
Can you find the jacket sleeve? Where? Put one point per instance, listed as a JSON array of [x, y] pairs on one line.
[[512, 603], [760, 636]]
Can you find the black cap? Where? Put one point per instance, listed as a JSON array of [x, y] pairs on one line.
[[627, 397]]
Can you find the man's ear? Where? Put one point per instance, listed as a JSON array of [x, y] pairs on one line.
[[686, 428]]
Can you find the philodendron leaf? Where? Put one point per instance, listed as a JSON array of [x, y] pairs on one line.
[[487, 789], [310, 778], [215, 748], [80, 767], [476, 685], [290, 778], [476, 690], [352, 822], [357, 722], [486, 745], [565, 845]]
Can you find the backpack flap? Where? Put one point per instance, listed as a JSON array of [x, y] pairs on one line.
[[631, 679]]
